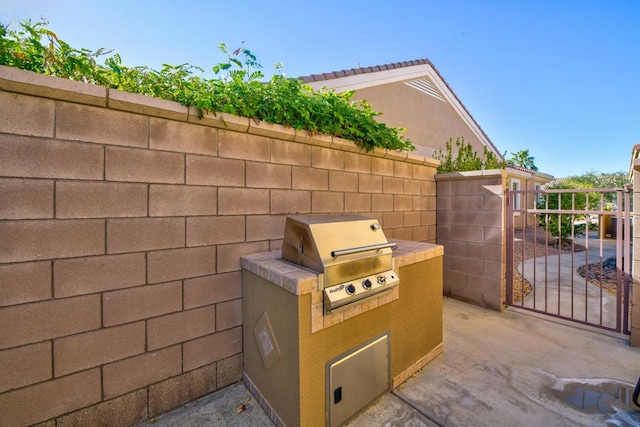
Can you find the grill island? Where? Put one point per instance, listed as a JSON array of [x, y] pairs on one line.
[[337, 318]]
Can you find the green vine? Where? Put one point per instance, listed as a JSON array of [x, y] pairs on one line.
[[236, 90]]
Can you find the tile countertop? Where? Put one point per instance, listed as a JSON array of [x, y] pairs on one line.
[[299, 280]]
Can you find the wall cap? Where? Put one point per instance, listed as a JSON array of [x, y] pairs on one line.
[[147, 105], [488, 173], [44, 86]]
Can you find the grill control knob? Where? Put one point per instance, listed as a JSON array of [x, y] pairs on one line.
[[382, 280], [366, 284], [351, 289]]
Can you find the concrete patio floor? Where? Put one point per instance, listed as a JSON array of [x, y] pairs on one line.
[[498, 369]]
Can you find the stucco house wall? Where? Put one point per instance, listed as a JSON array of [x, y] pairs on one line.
[[530, 181], [412, 95], [429, 121]]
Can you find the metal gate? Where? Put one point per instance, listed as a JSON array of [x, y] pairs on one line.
[[569, 254]]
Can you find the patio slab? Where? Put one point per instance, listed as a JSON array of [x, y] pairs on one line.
[[218, 409], [498, 369], [513, 369]]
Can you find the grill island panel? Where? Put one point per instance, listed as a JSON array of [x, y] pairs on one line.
[[292, 385]]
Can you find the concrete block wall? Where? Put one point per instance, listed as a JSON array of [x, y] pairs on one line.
[[122, 220], [471, 226]]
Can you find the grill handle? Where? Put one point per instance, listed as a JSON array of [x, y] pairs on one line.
[[339, 252]]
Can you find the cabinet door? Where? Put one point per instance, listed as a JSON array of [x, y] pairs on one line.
[[356, 379]]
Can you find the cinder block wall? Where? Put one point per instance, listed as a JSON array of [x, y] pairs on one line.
[[122, 220], [471, 226]]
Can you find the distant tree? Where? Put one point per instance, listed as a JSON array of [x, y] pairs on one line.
[[594, 179], [562, 225], [523, 159]]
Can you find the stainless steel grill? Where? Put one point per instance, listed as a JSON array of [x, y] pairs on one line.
[[350, 251]]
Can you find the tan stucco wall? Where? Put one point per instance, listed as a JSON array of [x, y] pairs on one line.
[[429, 121], [528, 201]]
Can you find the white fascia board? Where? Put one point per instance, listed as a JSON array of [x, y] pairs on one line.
[[377, 78]]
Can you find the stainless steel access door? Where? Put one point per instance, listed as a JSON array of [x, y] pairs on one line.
[[357, 378]]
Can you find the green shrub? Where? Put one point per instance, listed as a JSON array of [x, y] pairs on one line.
[[592, 200], [237, 90], [561, 225], [466, 159]]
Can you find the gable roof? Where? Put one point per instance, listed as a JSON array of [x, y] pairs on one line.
[[359, 78]]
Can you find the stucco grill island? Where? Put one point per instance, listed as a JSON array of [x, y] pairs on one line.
[[337, 318]]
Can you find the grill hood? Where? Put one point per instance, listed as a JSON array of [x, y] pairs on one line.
[[343, 247]]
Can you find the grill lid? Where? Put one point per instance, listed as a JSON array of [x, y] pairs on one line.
[[343, 247]]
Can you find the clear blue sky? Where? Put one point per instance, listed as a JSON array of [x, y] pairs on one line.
[[560, 78]]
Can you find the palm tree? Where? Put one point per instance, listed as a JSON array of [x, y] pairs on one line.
[[523, 159]]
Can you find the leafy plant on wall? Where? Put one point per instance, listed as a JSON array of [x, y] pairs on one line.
[[236, 90], [466, 158]]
